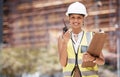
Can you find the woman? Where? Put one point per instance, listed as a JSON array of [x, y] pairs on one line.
[[72, 46]]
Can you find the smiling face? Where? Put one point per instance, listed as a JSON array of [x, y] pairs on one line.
[[76, 21]]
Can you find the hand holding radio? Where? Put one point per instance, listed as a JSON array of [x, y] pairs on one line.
[[66, 32], [65, 28]]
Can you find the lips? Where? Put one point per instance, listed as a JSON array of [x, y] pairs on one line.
[[76, 24]]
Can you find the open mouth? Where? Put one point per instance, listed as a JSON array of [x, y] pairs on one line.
[[76, 24]]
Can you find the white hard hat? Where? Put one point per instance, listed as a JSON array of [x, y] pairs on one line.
[[76, 8]]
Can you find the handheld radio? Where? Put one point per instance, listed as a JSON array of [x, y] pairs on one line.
[[65, 28]]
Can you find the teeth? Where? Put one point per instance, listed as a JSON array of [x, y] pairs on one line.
[[75, 23]]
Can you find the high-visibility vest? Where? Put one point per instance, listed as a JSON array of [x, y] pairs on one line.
[[72, 61]]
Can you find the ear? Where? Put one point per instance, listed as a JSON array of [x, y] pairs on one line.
[[83, 23]]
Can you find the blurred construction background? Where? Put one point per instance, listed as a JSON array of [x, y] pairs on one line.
[[29, 30]]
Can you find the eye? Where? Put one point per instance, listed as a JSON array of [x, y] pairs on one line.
[[79, 17], [73, 17]]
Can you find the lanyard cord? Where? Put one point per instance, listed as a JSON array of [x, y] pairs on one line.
[[76, 55]]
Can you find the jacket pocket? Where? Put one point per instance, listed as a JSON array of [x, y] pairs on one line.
[[84, 48]]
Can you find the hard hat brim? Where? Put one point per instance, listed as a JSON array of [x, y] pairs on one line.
[[67, 14]]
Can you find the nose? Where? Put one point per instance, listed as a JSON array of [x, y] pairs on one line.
[[76, 20]]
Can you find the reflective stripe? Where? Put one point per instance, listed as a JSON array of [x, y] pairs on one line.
[[72, 61], [88, 37], [67, 73], [88, 73], [79, 61], [84, 73]]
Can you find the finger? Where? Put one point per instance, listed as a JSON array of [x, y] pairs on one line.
[[67, 33], [84, 58], [70, 30]]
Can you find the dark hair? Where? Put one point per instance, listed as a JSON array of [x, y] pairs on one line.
[[79, 14]]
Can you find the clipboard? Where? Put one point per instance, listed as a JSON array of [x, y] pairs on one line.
[[95, 47]]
